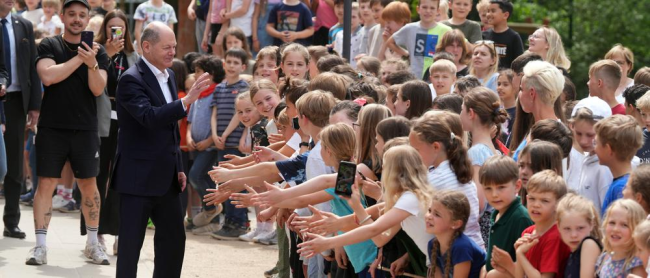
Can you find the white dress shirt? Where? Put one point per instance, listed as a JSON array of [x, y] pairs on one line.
[[15, 83], [163, 79]]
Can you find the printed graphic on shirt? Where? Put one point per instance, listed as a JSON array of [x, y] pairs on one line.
[[288, 20], [501, 49], [152, 14], [425, 45]]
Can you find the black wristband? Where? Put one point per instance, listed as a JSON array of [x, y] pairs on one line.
[[303, 144]]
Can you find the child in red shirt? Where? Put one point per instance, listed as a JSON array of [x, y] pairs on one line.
[[541, 249]]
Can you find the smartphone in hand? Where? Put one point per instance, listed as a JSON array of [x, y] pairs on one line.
[[345, 178], [88, 37], [294, 123]]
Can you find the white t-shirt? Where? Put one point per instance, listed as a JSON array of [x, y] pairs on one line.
[[34, 16], [271, 127], [572, 176], [355, 44], [294, 143], [244, 22], [414, 225], [148, 12], [315, 167], [594, 180], [51, 25], [443, 178]]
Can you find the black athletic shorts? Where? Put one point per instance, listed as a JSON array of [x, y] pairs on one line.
[[56, 146]]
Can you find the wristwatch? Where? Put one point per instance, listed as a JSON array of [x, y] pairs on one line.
[[96, 67]]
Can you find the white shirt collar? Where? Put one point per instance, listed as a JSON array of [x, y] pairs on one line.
[[155, 70]]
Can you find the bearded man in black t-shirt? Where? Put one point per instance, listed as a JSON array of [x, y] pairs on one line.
[[73, 74]]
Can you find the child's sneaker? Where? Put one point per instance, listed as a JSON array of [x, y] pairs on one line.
[[70, 206], [270, 239], [58, 202], [269, 273], [205, 217], [26, 198], [230, 232], [251, 236]]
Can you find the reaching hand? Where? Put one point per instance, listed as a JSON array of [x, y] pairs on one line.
[[320, 222], [219, 174], [313, 244], [275, 137], [264, 154], [233, 159], [243, 200], [271, 197], [216, 196]]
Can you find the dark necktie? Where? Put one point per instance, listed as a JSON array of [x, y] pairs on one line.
[[6, 49]]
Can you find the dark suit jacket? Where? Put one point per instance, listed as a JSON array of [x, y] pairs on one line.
[[25, 54], [148, 155]]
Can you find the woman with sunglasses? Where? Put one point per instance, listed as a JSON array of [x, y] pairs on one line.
[[485, 63]]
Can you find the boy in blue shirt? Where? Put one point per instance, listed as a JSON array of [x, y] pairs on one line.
[[617, 140]]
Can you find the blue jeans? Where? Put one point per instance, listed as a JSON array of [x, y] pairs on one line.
[[262, 36], [199, 178], [238, 216]]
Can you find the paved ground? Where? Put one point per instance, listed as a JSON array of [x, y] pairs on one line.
[[204, 256]]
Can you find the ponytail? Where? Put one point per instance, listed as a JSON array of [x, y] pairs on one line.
[[458, 160], [445, 127]]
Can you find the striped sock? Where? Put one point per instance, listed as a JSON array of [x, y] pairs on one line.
[[41, 235], [92, 235]]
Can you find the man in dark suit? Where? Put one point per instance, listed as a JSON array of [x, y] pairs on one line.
[[148, 172], [23, 97]]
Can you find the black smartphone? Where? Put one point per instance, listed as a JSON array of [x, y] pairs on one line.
[[87, 37], [294, 124], [345, 178]]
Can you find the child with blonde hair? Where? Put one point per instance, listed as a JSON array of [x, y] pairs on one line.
[[642, 240], [50, 21], [619, 258], [579, 225], [540, 250], [637, 188]]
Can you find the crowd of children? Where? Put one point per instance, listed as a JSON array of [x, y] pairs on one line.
[[473, 156]]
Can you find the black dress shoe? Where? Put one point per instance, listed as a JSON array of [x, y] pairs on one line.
[[14, 232]]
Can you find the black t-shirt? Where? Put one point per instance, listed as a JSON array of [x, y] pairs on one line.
[[68, 104], [507, 44]]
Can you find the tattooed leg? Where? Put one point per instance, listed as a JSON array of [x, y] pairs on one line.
[[90, 201], [43, 202]]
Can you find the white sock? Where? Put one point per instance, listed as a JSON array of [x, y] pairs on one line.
[[41, 235], [59, 189], [67, 194], [92, 235]]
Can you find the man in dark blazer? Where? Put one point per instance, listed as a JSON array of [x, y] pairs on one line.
[[23, 98], [148, 172]]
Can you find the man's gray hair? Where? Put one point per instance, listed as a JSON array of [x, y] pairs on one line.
[[150, 34]]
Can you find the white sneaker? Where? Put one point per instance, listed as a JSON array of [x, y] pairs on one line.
[[270, 239], [250, 236], [265, 236], [102, 243], [58, 202], [37, 256], [96, 254]]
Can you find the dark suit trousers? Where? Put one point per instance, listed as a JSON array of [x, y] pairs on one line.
[[169, 239], [15, 144]]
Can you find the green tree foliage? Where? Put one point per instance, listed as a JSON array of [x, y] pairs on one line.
[[597, 26]]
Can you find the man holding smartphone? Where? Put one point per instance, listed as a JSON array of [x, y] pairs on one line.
[[73, 73]]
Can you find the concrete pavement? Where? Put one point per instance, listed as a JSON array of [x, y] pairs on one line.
[[204, 256]]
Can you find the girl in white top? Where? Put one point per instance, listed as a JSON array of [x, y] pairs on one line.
[[406, 195], [433, 137], [241, 15]]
